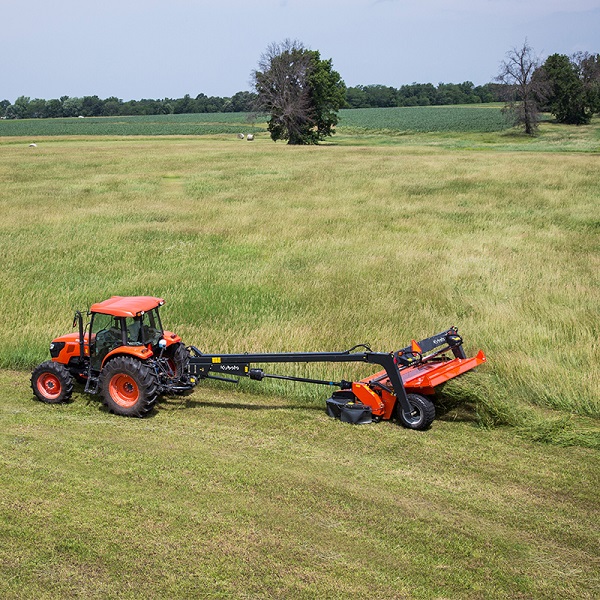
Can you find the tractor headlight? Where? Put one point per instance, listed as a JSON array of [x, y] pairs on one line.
[[55, 348]]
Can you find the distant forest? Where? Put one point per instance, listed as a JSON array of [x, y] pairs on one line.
[[361, 96]]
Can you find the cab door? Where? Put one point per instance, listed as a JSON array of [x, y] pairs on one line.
[[107, 333]]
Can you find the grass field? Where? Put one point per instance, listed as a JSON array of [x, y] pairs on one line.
[[252, 491], [234, 495]]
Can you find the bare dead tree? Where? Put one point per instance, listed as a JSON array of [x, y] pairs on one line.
[[524, 87], [281, 83]]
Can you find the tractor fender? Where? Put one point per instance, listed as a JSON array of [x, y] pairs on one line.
[[140, 352], [171, 338]]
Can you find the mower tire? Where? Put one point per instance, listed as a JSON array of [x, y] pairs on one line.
[[422, 413], [129, 387], [52, 383]]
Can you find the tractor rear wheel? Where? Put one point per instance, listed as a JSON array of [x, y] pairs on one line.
[[129, 387], [178, 357], [422, 412], [51, 382]]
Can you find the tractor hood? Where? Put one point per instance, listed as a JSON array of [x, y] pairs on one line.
[[66, 347], [72, 338]]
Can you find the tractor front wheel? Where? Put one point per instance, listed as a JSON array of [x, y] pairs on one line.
[[422, 412], [51, 382], [129, 387]]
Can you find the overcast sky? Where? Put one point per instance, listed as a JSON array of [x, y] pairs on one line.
[[137, 49]]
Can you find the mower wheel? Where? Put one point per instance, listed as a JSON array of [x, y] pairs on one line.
[[422, 413], [51, 382], [129, 387]]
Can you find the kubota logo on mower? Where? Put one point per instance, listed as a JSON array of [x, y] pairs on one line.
[[229, 367], [439, 340]]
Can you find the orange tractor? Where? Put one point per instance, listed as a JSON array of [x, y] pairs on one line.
[[125, 355]]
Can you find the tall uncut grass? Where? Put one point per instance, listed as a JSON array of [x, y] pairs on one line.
[[265, 247]]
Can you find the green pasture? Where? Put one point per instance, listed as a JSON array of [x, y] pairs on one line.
[[259, 246], [250, 491], [186, 124], [424, 119], [483, 118]]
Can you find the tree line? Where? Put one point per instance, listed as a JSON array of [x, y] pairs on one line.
[[93, 106], [422, 94]]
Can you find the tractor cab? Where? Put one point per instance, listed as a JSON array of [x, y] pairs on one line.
[[129, 325]]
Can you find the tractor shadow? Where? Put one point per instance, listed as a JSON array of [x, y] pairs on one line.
[[447, 409], [175, 402]]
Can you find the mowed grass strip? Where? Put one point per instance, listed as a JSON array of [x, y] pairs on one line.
[[232, 495]]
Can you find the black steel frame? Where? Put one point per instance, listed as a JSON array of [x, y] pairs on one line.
[[201, 365]]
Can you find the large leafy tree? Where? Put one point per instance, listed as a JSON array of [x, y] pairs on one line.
[[588, 69], [574, 85], [300, 91]]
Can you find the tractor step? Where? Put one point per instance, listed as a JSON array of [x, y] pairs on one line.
[[92, 384]]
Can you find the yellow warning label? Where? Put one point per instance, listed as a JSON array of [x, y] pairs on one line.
[[216, 359]]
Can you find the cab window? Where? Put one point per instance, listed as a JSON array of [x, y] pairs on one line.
[[152, 328], [143, 330]]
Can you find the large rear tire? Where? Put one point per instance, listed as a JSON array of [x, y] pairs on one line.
[[179, 359], [422, 413], [52, 383], [129, 387]]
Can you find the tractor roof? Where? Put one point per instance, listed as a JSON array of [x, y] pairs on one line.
[[126, 306]]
